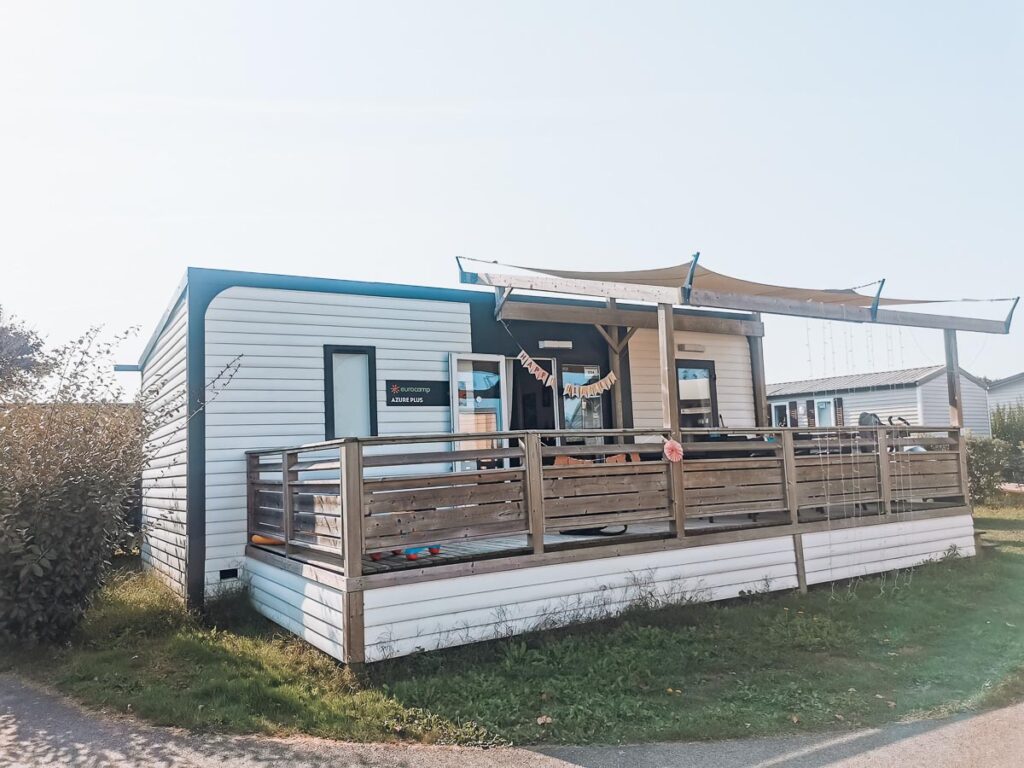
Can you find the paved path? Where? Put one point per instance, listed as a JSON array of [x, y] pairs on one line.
[[40, 729]]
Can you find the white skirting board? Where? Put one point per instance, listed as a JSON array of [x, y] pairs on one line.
[[440, 613], [302, 606], [445, 612], [852, 552]]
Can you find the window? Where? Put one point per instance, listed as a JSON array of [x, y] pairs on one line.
[[350, 391], [582, 412], [698, 399], [479, 403], [824, 415], [780, 415], [479, 394]]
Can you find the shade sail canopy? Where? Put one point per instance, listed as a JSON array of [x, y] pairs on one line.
[[694, 285], [707, 280]]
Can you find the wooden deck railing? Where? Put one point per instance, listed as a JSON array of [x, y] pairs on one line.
[[359, 496]]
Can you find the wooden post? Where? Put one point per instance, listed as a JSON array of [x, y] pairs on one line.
[[670, 412], [956, 402], [669, 377], [956, 407], [789, 465], [965, 478], [352, 507], [801, 566], [884, 471], [615, 363], [288, 475], [793, 503], [761, 416], [353, 629], [677, 498], [533, 490], [252, 475]]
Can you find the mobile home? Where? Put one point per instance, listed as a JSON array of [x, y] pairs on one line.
[[915, 396], [392, 467], [1006, 392]]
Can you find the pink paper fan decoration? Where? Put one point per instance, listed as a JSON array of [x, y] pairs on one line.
[[673, 451]]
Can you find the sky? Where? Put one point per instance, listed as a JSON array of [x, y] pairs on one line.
[[800, 143]]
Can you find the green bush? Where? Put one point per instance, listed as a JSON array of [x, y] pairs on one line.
[[69, 455], [65, 469], [987, 462], [1008, 423]]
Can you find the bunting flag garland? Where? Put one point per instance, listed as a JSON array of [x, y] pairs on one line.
[[590, 390], [535, 369], [570, 390]]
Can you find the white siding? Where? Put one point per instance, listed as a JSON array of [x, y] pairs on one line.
[[163, 481], [935, 405], [898, 402], [850, 552], [276, 397], [302, 606], [731, 355], [447, 612], [1008, 394]]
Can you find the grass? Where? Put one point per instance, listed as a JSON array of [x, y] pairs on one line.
[[943, 638]]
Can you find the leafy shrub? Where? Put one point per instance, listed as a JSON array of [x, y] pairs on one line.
[[987, 461], [69, 455], [1008, 423]]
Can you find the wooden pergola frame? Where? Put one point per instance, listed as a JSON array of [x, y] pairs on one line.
[[610, 319]]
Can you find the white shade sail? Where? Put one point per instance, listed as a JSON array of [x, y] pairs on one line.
[[706, 280]]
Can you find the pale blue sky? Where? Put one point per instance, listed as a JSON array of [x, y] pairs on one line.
[[822, 145]]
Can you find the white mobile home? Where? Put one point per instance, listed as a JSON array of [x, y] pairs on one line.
[[391, 467], [1006, 392], [918, 396]]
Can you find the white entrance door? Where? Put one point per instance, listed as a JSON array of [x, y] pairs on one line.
[[480, 402]]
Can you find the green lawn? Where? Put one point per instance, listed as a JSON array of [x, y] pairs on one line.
[[946, 637]]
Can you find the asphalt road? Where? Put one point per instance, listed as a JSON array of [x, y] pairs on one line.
[[38, 728]]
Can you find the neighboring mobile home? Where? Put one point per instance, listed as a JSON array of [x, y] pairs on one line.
[[1006, 392], [918, 395], [392, 467]]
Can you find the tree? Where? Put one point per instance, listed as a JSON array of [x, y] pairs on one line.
[[23, 360]]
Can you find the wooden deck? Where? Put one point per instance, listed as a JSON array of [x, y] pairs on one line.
[[378, 504]]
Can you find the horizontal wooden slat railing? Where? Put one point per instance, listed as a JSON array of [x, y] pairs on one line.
[[359, 497]]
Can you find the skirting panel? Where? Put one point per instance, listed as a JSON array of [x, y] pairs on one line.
[[437, 614], [302, 606], [852, 552], [401, 619]]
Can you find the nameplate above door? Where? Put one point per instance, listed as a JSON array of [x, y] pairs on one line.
[[417, 392]]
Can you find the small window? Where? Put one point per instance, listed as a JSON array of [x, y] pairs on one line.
[[350, 392], [698, 399], [824, 415], [780, 415]]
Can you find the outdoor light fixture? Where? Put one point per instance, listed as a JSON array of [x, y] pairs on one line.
[[549, 344]]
